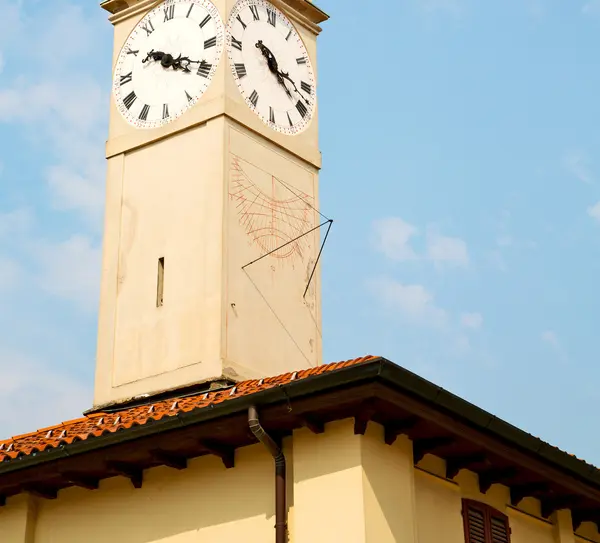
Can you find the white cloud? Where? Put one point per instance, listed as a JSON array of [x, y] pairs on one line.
[[70, 270], [393, 237], [413, 302], [550, 338], [72, 191], [61, 105], [591, 8], [471, 320], [33, 395], [15, 222], [594, 211], [577, 164], [446, 250]]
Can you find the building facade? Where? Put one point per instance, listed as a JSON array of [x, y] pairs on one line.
[[214, 419], [372, 453]]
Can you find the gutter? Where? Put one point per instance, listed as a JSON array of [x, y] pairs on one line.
[[282, 393], [280, 480], [380, 370]]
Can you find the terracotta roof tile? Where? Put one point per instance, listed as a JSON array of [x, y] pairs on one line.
[[98, 424]]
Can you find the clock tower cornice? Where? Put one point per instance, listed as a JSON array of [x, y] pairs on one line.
[[302, 12]]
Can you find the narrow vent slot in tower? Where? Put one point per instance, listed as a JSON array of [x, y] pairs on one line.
[[160, 283]]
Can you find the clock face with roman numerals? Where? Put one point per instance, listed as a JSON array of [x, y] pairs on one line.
[[271, 66], [168, 61]]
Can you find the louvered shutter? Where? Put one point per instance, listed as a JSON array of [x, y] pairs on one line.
[[483, 524], [500, 532]]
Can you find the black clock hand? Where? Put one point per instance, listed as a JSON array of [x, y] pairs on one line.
[[287, 76], [167, 60], [272, 64]]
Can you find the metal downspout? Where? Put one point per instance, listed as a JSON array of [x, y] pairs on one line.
[[280, 482]]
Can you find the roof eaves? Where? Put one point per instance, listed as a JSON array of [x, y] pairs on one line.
[[278, 394]]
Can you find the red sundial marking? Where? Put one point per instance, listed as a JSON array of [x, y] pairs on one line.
[[270, 220]]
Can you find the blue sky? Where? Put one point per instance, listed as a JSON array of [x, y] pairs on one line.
[[460, 142]]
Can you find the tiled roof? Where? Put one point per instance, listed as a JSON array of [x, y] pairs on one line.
[[97, 424]]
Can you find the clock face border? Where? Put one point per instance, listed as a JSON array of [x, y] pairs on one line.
[[241, 18], [128, 60]]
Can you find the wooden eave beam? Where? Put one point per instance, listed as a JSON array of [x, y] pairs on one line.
[[492, 444], [225, 453], [169, 459], [519, 492], [311, 422], [421, 447], [81, 480], [555, 503], [491, 477], [131, 471], [364, 415], [41, 491], [579, 516], [394, 429], [455, 464]]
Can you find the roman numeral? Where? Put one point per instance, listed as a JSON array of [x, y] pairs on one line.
[[144, 113], [301, 60], [241, 22], [271, 17], [130, 51], [301, 108], [271, 115], [236, 43], [148, 28], [129, 99], [254, 98], [254, 11], [127, 78], [188, 96], [169, 13], [305, 87], [204, 68], [210, 42], [166, 107], [289, 119], [204, 21], [289, 34], [240, 69], [189, 11]]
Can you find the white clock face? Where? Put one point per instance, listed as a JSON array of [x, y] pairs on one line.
[[271, 66], [168, 61]]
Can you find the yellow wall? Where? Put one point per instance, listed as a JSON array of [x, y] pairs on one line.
[[342, 488], [205, 502]]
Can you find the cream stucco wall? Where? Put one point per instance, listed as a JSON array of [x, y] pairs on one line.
[[342, 487]]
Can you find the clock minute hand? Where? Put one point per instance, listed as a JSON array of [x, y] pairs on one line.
[[287, 76], [273, 66]]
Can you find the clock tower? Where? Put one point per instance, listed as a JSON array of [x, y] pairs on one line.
[[211, 240]]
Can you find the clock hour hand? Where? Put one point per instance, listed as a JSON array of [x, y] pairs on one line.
[[168, 61]]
